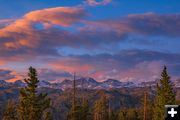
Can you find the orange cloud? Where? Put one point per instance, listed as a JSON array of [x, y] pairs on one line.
[[15, 79], [9, 75], [23, 33], [5, 22], [63, 16], [85, 66], [72, 66], [104, 72], [2, 62]]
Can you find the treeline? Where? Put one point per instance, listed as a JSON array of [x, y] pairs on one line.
[[33, 105]]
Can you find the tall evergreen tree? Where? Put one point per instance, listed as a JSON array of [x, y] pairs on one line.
[[101, 109], [32, 104], [165, 96], [10, 111]]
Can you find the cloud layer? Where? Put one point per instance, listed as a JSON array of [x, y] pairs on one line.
[[25, 36], [143, 24], [131, 65], [43, 31], [41, 36]]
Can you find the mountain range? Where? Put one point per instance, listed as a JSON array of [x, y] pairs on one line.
[[87, 83]]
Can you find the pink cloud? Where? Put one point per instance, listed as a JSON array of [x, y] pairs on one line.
[[133, 66], [21, 41], [21, 35], [63, 16], [96, 2], [126, 66], [142, 71], [72, 65], [9, 75]]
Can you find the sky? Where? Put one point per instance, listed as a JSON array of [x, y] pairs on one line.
[[127, 40]]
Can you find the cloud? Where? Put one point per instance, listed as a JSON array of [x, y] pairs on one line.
[[63, 16], [143, 71], [5, 22], [2, 61], [142, 24], [154, 24], [52, 75], [39, 36], [24, 36], [43, 32], [9, 75], [128, 65], [96, 2]]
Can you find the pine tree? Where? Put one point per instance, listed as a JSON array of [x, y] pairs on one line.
[[128, 114], [145, 106], [75, 111], [10, 111], [47, 116], [85, 113], [132, 114], [113, 115], [165, 96], [123, 114], [101, 109], [32, 105]]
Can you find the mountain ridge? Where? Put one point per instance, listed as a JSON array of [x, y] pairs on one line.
[[88, 83]]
